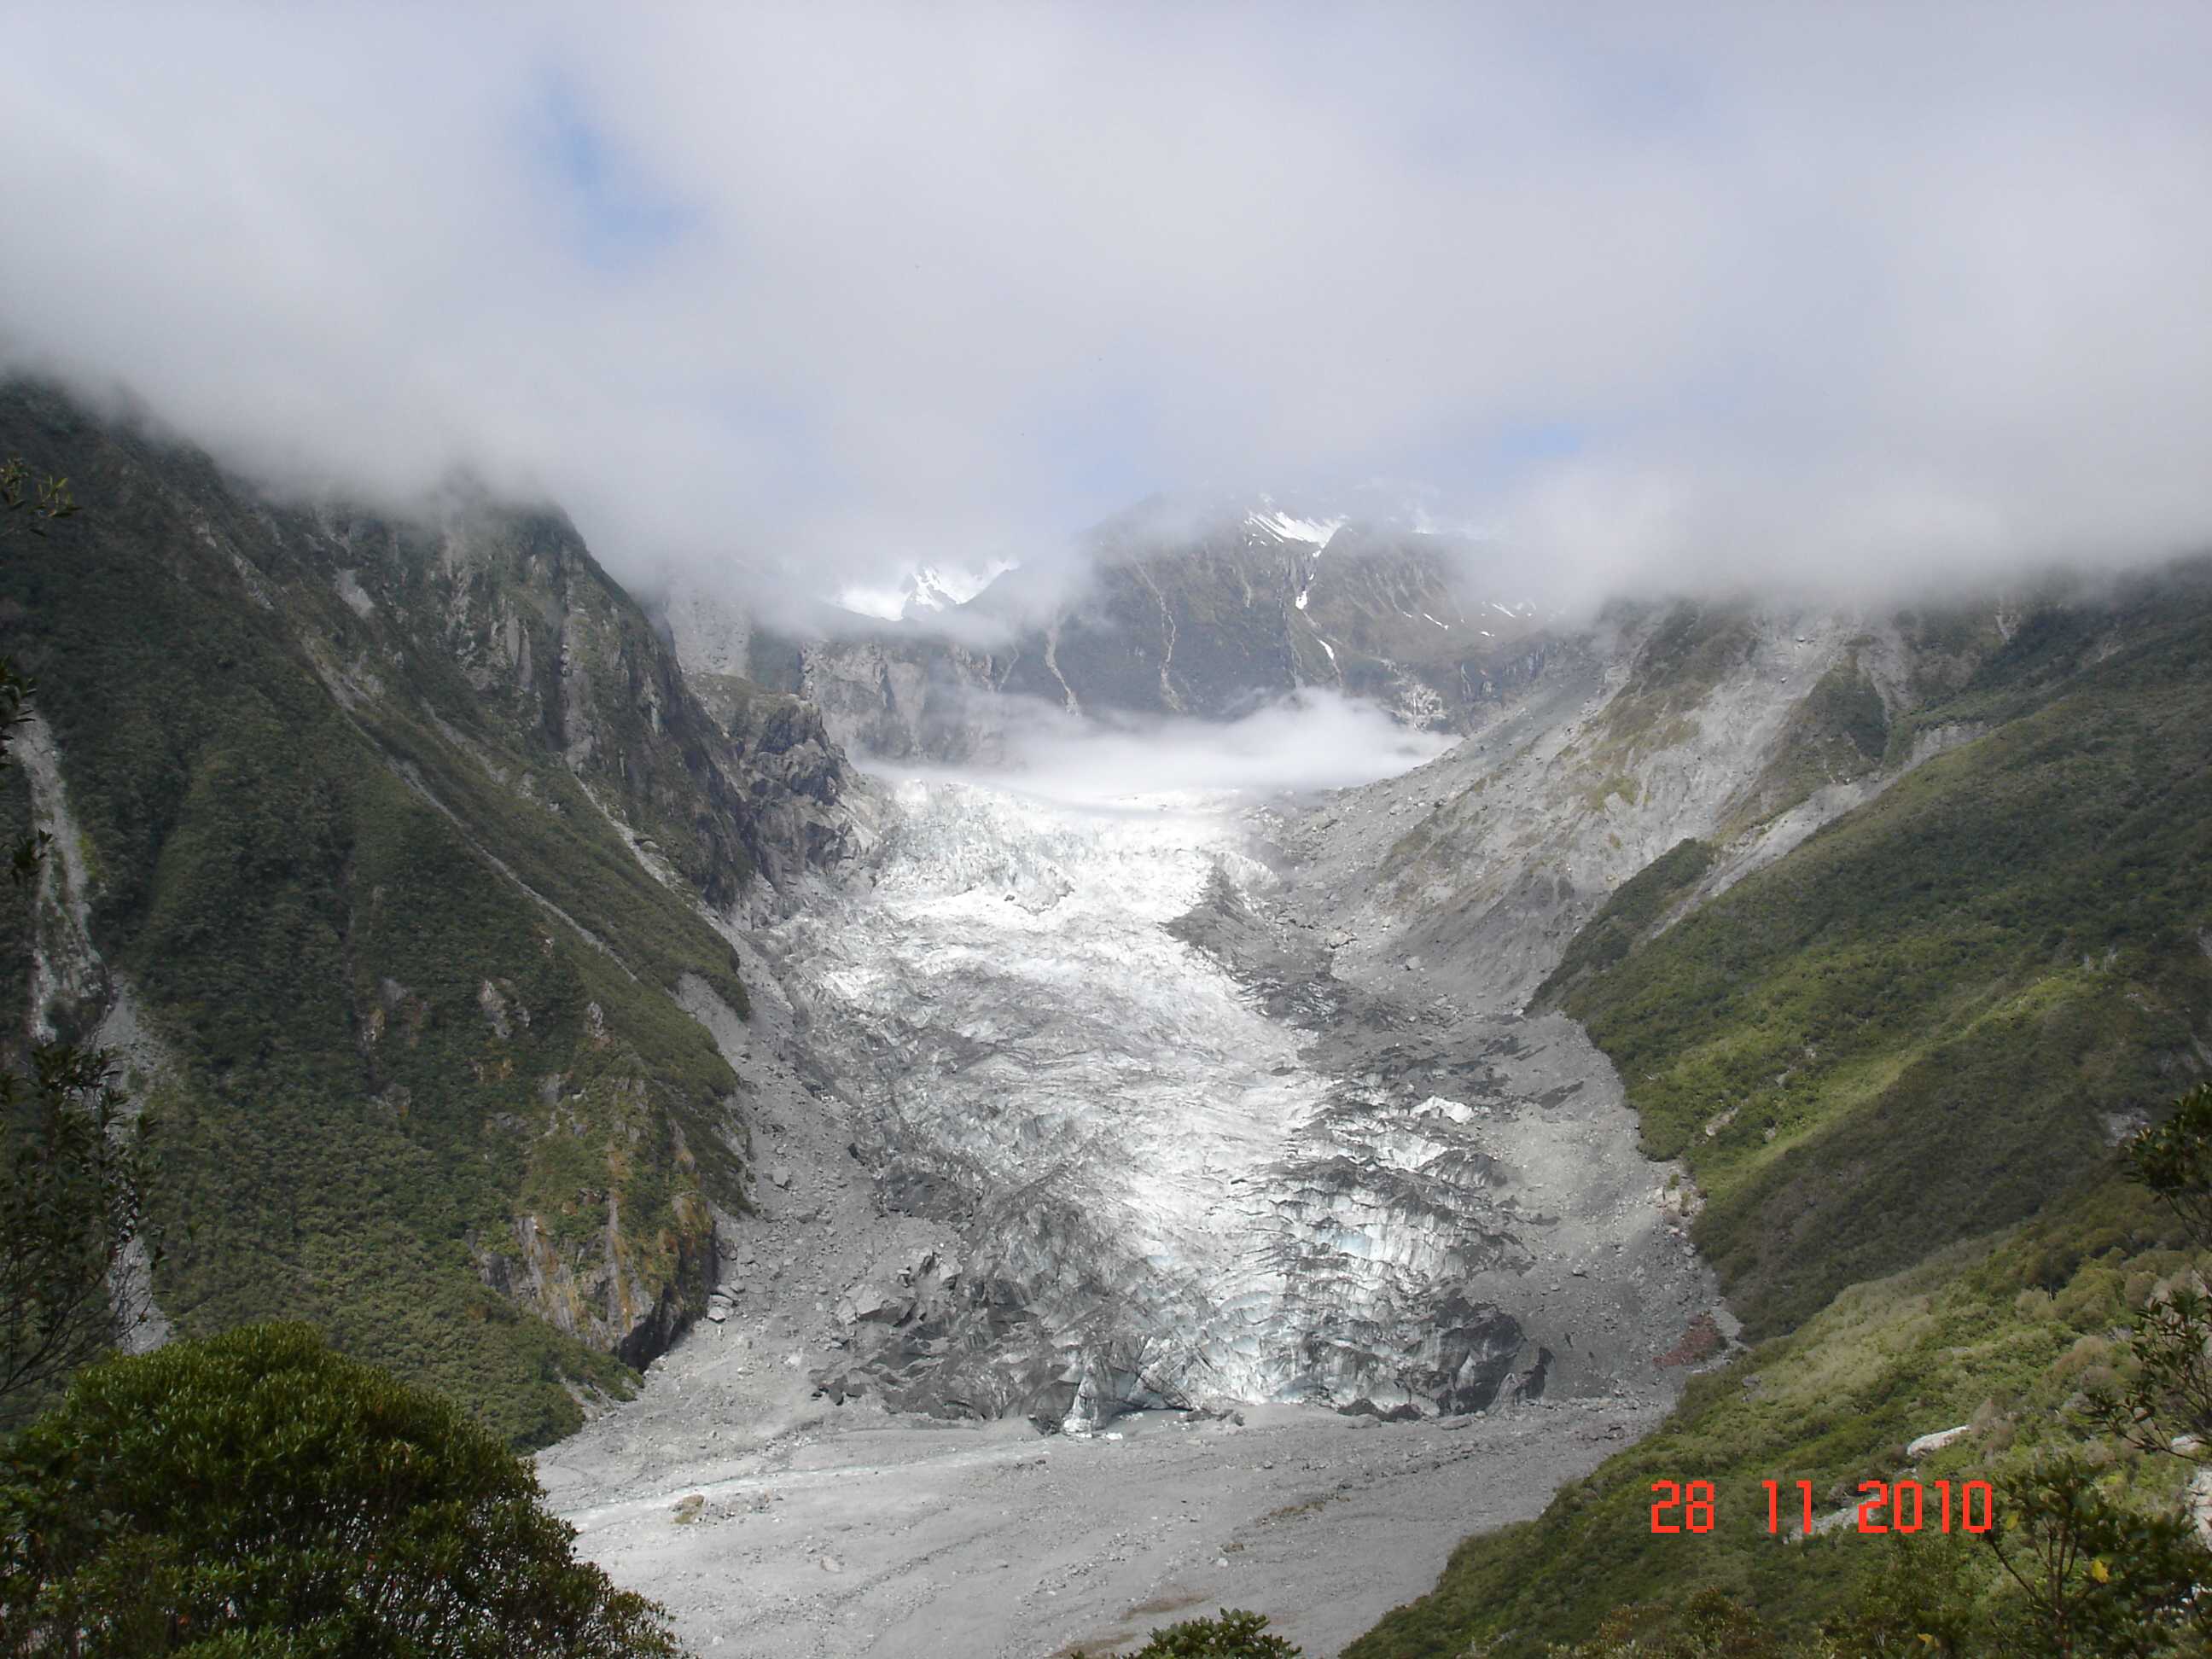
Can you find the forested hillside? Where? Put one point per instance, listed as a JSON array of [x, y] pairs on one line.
[[405, 835]]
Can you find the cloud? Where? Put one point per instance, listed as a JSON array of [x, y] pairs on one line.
[[1313, 739], [1661, 292]]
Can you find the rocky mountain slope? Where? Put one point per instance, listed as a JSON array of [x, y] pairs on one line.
[[1867, 838], [1204, 613], [390, 845], [1894, 990]]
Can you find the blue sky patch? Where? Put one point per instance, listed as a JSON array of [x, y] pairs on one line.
[[618, 218]]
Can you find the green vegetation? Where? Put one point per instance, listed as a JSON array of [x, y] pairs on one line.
[[74, 1163], [1843, 721], [2074, 1349], [1711, 1627], [254, 1493], [32, 501], [1895, 1060], [72, 1198], [2003, 1334], [343, 782], [1635, 908], [1234, 1635], [1839, 732], [1619, 784], [1922, 1019]]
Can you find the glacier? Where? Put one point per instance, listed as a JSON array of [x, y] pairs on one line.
[[1168, 1157]]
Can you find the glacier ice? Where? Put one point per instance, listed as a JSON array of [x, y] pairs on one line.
[[1157, 1195]]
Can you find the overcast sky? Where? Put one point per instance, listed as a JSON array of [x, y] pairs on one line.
[[1654, 288]]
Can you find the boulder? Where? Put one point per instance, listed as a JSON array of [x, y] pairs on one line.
[[1927, 1444]]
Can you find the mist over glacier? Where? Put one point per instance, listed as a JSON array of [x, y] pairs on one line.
[[1318, 739], [1060, 1047]]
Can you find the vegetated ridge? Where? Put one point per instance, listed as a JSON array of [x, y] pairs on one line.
[[390, 845], [1896, 1057]]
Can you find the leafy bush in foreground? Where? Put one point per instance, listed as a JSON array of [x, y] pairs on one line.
[[1235, 1635], [257, 1493]]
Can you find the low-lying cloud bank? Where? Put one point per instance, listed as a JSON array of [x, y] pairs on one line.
[[1314, 740]]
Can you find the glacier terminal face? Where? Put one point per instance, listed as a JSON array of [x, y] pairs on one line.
[[1172, 1159]]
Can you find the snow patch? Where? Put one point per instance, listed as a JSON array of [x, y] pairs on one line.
[[932, 588], [925, 589], [1282, 526]]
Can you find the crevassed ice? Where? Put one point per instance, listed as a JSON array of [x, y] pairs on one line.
[[1041, 1025]]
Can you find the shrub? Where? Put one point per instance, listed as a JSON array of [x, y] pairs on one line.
[[257, 1493], [1235, 1635]]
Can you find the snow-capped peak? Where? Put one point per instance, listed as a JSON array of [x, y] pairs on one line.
[[1282, 526], [928, 589], [933, 588]]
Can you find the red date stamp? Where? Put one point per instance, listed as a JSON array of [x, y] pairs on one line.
[[1905, 1506]]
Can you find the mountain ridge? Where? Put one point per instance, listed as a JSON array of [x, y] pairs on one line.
[[403, 837], [1404, 618]]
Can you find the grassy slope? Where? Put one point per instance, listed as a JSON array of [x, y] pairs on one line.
[[1920, 1016], [1997, 1332], [1905, 1000], [351, 1136], [1634, 908]]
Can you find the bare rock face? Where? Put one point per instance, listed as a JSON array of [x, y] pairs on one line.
[[895, 689], [1663, 724]]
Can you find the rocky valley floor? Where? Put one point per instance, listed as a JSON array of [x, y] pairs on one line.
[[842, 1531]]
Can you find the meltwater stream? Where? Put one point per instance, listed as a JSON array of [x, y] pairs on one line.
[[1152, 1190]]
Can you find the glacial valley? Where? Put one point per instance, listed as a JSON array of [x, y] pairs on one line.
[[1110, 1240]]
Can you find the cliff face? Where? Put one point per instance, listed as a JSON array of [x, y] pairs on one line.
[[406, 835]]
